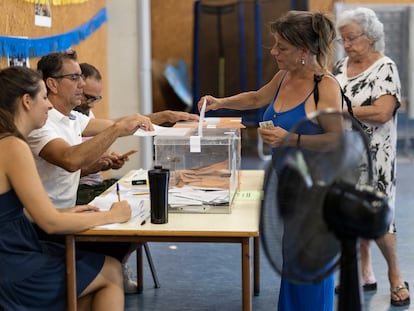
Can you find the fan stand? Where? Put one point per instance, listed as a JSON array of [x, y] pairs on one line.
[[350, 293]]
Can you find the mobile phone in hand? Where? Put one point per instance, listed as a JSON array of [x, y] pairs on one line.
[[127, 154]]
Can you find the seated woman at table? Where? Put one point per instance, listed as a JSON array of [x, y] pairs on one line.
[[33, 272]]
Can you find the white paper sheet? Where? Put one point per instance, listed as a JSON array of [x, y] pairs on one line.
[[197, 196], [162, 131], [201, 120], [137, 175], [104, 203]]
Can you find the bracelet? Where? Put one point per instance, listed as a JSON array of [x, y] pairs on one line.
[[298, 140]]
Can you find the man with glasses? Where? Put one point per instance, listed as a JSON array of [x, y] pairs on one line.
[[59, 149], [92, 183]]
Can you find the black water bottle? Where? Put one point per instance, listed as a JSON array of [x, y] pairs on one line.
[[158, 185]]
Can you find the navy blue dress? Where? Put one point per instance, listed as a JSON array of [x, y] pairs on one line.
[[33, 272], [293, 296]]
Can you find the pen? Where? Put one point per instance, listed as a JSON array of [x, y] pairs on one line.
[[145, 220], [141, 193], [117, 192]]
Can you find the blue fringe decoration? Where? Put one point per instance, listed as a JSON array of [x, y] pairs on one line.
[[37, 47]]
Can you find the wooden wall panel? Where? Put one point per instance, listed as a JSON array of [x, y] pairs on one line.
[[172, 34], [171, 39], [17, 19], [327, 5]]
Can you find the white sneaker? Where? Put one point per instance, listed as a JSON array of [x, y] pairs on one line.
[[130, 286]]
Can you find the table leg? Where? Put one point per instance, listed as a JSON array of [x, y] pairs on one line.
[[256, 267], [140, 270], [71, 273], [246, 275]]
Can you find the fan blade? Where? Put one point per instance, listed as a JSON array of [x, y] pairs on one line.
[[310, 249], [298, 255], [318, 194]]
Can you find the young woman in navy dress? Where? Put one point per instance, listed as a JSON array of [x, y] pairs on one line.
[[33, 272]]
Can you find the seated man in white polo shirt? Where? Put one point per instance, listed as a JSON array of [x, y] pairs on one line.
[[59, 150]]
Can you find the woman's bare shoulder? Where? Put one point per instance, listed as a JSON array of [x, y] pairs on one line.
[[14, 146], [329, 81]]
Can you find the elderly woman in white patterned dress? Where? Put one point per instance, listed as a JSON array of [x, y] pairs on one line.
[[370, 80]]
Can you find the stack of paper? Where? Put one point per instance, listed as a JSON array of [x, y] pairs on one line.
[[104, 203], [197, 196]]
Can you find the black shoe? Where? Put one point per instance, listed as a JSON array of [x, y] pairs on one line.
[[368, 287]]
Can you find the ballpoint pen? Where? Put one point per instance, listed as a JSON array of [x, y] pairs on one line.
[[117, 192], [145, 220]]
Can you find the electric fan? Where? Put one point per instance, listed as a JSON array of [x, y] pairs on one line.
[[318, 201]]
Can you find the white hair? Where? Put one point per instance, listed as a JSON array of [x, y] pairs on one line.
[[369, 23]]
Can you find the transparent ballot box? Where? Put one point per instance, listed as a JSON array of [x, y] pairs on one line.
[[204, 170]]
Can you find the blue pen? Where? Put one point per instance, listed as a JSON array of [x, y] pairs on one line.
[[117, 192]]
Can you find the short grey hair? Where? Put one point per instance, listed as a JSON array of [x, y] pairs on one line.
[[369, 23]]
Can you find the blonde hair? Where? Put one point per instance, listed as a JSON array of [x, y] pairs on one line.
[[313, 31]]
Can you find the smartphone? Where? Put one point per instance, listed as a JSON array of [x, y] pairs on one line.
[[127, 154]]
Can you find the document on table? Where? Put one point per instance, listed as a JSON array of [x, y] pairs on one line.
[[138, 210], [162, 131], [139, 174], [196, 196]]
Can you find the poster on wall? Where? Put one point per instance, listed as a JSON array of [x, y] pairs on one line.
[[18, 61], [43, 14]]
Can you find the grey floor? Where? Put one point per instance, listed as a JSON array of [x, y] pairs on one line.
[[206, 277]]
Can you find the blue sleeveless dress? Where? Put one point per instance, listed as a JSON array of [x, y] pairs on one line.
[[293, 296], [33, 272]]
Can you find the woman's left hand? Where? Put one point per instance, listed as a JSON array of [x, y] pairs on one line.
[[273, 136]]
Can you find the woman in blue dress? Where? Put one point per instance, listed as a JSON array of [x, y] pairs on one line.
[[302, 50], [33, 272]]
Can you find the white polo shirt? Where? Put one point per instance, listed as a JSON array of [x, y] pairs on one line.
[[60, 184]]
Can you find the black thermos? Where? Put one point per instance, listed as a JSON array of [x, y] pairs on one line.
[[158, 185]]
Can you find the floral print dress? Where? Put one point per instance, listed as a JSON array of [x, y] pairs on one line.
[[363, 89]]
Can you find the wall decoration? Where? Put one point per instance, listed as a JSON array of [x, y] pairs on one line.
[[37, 47], [18, 61], [43, 14]]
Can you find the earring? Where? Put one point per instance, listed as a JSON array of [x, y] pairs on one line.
[[302, 61]]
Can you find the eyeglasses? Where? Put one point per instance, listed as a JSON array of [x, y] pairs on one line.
[[349, 39], [92, 99], [71, 76]]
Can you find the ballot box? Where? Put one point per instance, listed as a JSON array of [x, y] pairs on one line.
[[204, 168]]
